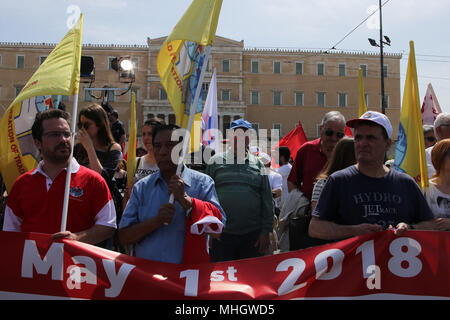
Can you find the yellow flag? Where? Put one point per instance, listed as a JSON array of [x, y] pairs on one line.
[[58, 75], [181, 59], [362, 100], [410, 149], [131, 151]]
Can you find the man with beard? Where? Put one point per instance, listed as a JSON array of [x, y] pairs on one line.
[[35, 203]]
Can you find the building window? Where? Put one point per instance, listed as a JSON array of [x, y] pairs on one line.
[[87, 95], [276, 127], [254, 97], [225, 65], [135, 61], [320, 99], [277, 98], [277, 67], [42, 59], [17, 90], [320, 69], [366, 98], [20, 62], [136, 94], [225, 94], [364, 69], [386, 97], [205, 89], [255, 66], [385, 70], [110, 59], [299, 98], [162, 94], [342, 69], [342, 99], [208, 65], [255, 126], [299, 68], [0, 59], [111, 97]]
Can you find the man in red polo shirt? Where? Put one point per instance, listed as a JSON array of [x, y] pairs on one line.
[[36, 199], [312, 156]]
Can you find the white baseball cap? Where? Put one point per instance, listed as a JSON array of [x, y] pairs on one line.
[[375, 117]]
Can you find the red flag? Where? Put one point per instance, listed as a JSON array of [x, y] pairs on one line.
[[348, 132], [294, 140], [430, 106]]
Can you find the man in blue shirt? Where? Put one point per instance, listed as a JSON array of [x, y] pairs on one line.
[[154, 226]]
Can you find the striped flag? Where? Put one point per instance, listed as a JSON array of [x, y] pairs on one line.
[[210, 123]]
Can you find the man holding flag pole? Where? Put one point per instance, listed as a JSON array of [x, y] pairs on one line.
[[38, 198], [160, 228]]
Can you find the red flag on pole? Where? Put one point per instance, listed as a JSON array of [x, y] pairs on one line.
[[348, 132], [294, 140]]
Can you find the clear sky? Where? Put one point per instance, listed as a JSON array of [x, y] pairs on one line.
[[318, 24]]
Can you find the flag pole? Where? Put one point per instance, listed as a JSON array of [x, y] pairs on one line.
[[68, 172], [191, 117]]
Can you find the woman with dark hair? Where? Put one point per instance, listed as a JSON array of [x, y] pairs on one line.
[[342, 157], [145, 164], [96, 148], [438, 191]]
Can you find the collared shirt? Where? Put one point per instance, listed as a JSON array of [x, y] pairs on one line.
[[244, 193], [166, 243], [308, 163], [35, 202]]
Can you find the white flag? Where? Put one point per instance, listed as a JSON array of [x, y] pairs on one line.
[[430, 106], [210, 123]]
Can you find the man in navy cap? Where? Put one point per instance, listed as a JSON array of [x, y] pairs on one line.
[[368, 197], [244, 193]]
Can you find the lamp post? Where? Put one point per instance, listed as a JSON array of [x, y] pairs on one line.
[[375, 44]]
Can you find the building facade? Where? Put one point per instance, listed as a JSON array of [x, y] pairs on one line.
[[274, 89]]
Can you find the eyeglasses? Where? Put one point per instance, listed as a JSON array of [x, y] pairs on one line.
[[330, 132], [85, 125], [56, 134], [431, 139]]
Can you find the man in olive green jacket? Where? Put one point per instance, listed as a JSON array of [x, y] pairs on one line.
[[244, 193]]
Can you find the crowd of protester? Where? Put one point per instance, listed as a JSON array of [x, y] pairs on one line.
[[247, 203]]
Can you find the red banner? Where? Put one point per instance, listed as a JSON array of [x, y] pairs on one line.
[[380, 265]]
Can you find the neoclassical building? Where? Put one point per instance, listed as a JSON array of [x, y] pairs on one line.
[[274, 89]]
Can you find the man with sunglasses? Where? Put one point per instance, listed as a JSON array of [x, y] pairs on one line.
[[313, 155], [368, 197], [36, 199], [442, 131]]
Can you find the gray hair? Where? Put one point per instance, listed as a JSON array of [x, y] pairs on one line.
[[442, 118], [333, 116], [427, 128]]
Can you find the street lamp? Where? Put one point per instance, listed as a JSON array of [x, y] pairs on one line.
[[375, 44]]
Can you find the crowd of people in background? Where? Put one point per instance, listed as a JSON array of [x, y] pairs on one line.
[[246, 203]]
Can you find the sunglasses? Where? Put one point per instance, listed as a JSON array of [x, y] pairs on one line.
[[330, 132], [85, 125], [431, 139]]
